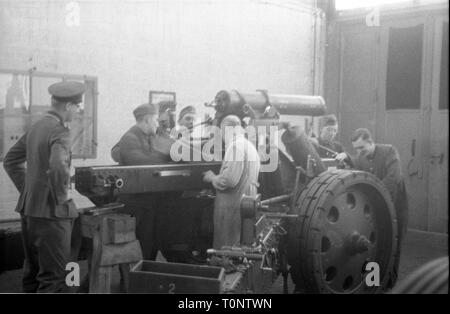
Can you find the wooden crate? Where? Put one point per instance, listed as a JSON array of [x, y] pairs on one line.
[[161, 277]]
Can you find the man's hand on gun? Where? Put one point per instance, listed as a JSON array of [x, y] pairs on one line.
[[341, 157], [344, 161]]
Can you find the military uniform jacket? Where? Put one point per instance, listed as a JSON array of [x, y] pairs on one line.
[[385, 165], [44, 183], [137, 148]]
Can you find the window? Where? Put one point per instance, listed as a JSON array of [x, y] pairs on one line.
[[158, 96], [24, 99], [342, 5], [443, 88], [404, 68]]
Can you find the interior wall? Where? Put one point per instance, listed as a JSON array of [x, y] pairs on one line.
[[194, 48]]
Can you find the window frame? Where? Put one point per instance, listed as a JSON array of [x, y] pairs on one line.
[[63, 77]]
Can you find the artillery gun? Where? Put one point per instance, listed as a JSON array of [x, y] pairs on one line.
[[320, 224]]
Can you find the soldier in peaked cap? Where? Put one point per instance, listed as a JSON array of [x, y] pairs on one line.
[[46, 211], [68, 91], [137, 147]]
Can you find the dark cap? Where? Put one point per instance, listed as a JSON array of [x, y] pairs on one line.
[[67, 91], [327, 120], [143, 110], [186, 110]]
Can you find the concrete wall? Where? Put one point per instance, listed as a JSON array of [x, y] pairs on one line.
[[195, 48]]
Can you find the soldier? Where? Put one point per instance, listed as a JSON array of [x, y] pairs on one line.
[[187, 117], [384, 162], [162, 142], [328, 127], [179, 226], [197, 227], [136, 148], [46, 211], [238, 175], [166, 116]]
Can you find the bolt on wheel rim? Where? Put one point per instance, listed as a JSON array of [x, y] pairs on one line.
[[346, 219], [348, 240]]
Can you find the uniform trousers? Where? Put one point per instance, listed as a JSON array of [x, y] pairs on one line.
[[47, 250]]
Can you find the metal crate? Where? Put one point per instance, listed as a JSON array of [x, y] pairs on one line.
[[162, 277]]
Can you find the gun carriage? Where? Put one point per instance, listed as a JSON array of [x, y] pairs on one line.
[[320, 224]]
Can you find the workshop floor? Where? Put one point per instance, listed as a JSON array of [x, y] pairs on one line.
[[419, 247]]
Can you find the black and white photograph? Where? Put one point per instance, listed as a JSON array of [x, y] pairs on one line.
[[225, 151]]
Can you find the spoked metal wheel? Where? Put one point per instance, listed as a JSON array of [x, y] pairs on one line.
[[346, 220]]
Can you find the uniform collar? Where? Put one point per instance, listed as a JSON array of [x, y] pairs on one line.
[[56, 116], [139, 131]]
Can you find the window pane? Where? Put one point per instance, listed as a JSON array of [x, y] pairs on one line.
[[82, 125], [156, 97], [14, 92], [404, 68], [14, 102]]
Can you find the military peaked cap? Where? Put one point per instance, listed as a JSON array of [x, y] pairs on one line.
[[67, 91]]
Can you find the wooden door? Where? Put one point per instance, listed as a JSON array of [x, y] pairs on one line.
[[437, 158], [402, 87]]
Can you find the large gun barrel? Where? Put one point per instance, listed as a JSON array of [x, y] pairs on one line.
[[261, 104]]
